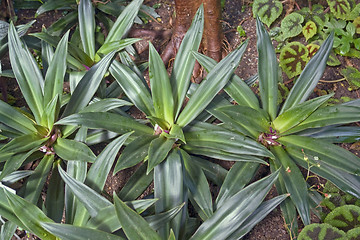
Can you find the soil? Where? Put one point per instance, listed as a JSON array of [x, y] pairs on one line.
[[234, 13]]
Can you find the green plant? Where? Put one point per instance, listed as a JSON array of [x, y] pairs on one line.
[[321, 231], [178, 135], [291, 131]]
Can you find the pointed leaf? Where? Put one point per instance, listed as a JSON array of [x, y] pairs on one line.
[[134, 226], [70, 232], [216, 80], [268, 71], [27, 73], [158, 150], [133, 87], [88, 85], [310, 76], [54, 79], [116, 45], [73, 150], [295, 115], [184, 61], [235, 210], [87, 26], [30, 216], [135, 152], [104, 105]]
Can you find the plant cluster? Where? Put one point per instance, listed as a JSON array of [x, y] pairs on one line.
[[170, 146], [314, 23]]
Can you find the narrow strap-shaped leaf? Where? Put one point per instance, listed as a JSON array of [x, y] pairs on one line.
[[333, 134], [160, 87], [259, 214], [14, 119], [295, 115], [47, 53], [135, 152], [137, 184], [124, 22], [214, 172], [134, 226], [88, 85], [158, 220], [243, 118], [287, 207], [329, 115], [268, 68], [51, 112], [20, 144], [229, 141], [110, 121], [343, 180], [238, 176], [104, 105], [6, 211], [27, 73], [16, 176], [55, 200], [236, 87], [92, 200], [235, 211], [184, 61], [198, 186], [294, 182], [15, 161], [159, 148], [63, 24], [30, 216], [116, 45], [99, 171], [169, 189], [8, 230], [73, 150], [216, 80], [133, 87], [35, 183], [71, 232], [87, 26], [54, 79], [52, 5], [310, 76], [326, 152]]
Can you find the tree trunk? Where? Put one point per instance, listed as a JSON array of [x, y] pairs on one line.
[[213, 36]]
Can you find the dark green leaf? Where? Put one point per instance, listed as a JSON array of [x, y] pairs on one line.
[[87, 26], [73, 150], [159, 148]]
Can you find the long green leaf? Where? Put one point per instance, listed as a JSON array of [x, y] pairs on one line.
[[99, 171], [116, 45], [92, 200], [243, 119], [134, 153], [323, 151], [184, 61], [87, 26], [198, 186], [124, 22], [236, 87], [36, 181], [133, 87], [54, 79], [214, 172], [88, 85], [110, 121], [298, 113], [268, 70], [73, 150], [20, 144], [52, 5], [235, 211], [27, 73], [216, 80], [169, 189], [329, 115], [30, 216], [333, 134], [259, 214], [238, 176], [310, 76], [159, 148], [14, 119], [134, 226], [70, 232], [160, 87], [294, 182]]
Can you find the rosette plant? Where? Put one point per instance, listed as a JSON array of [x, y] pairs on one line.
[[168, 146], [299, 132]]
